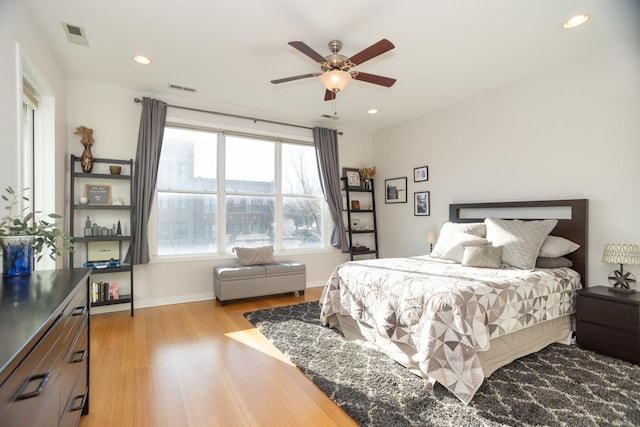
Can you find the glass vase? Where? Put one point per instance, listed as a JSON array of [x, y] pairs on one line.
[[17, 255]]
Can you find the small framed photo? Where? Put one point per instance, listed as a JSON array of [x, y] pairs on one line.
[[421, 174], [355, 224], [353, 178], [355, 205], [395, 190], [421, 201], [98, 194]]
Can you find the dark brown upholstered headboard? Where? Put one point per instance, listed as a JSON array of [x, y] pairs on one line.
[[573, 228]]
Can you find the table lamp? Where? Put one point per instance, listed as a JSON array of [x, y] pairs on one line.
[[431, 239], [615, 253]]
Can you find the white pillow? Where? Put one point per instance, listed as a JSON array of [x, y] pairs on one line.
[[520, 240], [554, 247], [458, 244], [448, 232]]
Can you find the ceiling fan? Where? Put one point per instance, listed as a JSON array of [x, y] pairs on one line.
[[335, 67]]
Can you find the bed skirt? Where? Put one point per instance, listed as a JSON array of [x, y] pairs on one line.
[[504, 349]]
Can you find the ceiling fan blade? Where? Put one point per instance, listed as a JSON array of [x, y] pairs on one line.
[[372, 51], [373, 78], [301, 76], [329, 95], [302, 47]]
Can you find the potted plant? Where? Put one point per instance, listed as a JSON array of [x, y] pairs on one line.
[[25, 235], [367, 175]]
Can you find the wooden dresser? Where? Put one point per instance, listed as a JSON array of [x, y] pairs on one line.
[[44, 355]]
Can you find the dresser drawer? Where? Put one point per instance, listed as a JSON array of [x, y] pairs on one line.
[[612, 342], [75, 362], [75, 313], [614, 314], [29, 385], [77, 400]]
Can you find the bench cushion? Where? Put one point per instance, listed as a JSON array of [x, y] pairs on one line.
[[284, 267], [239, 272]]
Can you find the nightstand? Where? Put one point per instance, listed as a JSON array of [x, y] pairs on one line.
[[609, 323]]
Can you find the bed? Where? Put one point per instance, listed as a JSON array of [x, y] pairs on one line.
[[450, 319]]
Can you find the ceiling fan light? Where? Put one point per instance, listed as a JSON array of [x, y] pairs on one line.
[[140, 59], [335, 80], [575, 21]]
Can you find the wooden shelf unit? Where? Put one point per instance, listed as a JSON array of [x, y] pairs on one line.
[[81, 241]]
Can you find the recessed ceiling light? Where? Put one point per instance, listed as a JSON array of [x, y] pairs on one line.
[[372, 111], [142, 60], [575, 21]]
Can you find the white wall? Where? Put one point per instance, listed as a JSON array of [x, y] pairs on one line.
[[9, 17], [23, 51], [114, 117], [571, 132]]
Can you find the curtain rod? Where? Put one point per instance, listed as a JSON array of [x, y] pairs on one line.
[[236, 116]]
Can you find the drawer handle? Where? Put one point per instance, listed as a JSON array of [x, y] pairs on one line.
[[79, 407], [43, 381], [80, 310], [81, 353]]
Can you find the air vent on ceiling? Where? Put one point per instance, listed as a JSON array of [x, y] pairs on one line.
[[184, 88], [75, 34], [327, 116]]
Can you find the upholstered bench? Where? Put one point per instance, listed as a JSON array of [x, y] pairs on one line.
[[246, 281]]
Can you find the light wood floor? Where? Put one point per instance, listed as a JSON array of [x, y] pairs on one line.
[[199, 364]]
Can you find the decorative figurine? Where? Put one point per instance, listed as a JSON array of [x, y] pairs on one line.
[[86, 139]]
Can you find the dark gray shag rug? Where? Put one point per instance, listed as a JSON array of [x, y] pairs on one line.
[[558, 386]]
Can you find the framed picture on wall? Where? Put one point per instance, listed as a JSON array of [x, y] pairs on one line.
[[421, 174], [395, 190], [421, 203]]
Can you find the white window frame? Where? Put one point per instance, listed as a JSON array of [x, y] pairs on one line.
[[327, 223]]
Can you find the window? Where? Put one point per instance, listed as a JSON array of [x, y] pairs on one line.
[[302, 197], [268, 194]]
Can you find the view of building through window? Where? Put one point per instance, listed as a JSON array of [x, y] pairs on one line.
[[270, 194]]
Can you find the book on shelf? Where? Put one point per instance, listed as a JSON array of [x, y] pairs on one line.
[[104, 291]]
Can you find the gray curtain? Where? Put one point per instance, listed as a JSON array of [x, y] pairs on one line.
[[326, 143], [152, 120]]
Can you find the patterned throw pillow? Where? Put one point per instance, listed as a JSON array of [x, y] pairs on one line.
[[520, 240], [482, 256], [254, 256], [448, 233]]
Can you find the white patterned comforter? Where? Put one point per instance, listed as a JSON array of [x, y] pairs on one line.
[[445, 311]]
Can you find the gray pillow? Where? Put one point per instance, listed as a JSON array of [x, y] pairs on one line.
[[482, 256], [255, 256], [559, 262]]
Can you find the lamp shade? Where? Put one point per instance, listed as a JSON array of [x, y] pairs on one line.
[[431, 237], [335, 80], [616, 253]]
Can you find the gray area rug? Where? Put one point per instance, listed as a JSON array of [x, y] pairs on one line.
[[560, 385]]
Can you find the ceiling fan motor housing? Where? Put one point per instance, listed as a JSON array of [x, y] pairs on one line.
[[335, 61]]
